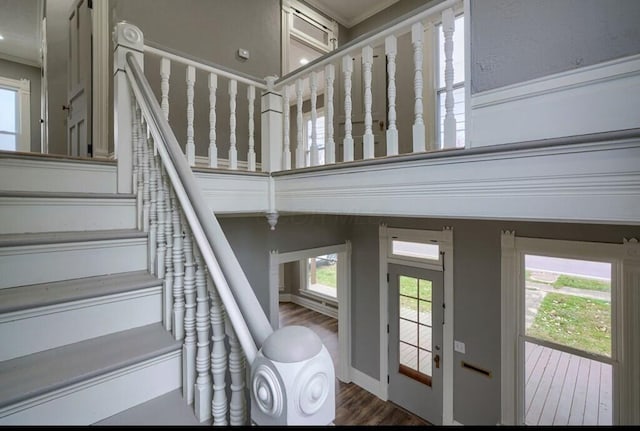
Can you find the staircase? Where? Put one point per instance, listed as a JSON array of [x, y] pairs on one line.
[[80, 315]]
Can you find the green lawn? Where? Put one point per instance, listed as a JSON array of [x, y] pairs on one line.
[[582, 283], [327, 275], [582, 323]]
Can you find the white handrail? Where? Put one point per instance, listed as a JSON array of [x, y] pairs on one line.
[[202, 66], [203, 226], [400, 27]]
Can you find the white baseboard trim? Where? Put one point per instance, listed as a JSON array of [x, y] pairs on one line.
[[598, 98], [310, 304], [366, 382], [456, 423]]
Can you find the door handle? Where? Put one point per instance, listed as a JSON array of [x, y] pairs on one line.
[[436, 359]]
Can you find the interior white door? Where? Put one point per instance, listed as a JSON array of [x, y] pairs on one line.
[[415, 340], [79, 81]]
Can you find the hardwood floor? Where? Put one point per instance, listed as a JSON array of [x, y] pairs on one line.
[[354, 405]]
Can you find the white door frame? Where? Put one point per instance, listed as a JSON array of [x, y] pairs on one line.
[[444, 239], [100, 110], [343, 373], [625, 288]]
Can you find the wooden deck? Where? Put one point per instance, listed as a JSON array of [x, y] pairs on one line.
[[354, 405], [565, 389]]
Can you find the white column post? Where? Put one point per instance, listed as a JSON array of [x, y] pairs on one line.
[[391, 49], [330, 145], [313, 83], [271, 128], [233, 150], [251, 156], [347, 70], [300, 157], [191, 147], [286, 153], [417, 36], [126, 38], [368, 151], [448, 27], [213, 148]]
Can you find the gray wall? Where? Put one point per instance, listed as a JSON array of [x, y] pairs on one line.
[[212, 30], [517, 40], [476, 277], [12, 70], [57, 53]]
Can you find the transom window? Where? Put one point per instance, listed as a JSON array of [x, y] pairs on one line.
[[415, 328]]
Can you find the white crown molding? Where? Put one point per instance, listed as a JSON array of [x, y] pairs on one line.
[[20, 60]]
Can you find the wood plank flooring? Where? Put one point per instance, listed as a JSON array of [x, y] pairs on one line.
[[354, 405], [564, 389]]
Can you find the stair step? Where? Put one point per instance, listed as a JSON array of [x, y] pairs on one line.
[[31, 211], [28, 384], [169, 409], [75, 310], [49, 173], [32, 258], [47, 294]]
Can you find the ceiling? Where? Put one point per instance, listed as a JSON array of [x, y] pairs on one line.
[[20, 28], [350, 12]]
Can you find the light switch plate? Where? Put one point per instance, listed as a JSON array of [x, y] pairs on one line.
[[243, 53], [459, 346]]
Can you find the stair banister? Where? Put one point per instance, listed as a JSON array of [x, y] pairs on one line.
[[292, 375]]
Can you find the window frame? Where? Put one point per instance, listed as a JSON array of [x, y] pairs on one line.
[[304, 281], [23, 109]]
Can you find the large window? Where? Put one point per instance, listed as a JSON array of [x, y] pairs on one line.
[[458, 82], [322, 275], [14, 115]]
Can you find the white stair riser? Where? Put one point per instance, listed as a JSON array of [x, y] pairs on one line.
[[22, 332], [56, 176], [23, 265], [96, 399], [20, 214]]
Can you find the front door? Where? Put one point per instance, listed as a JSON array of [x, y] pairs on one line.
[[79, 81], [415, 340]]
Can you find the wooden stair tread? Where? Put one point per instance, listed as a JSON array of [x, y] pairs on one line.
[[40, 373], [58, 292], [41, 238]]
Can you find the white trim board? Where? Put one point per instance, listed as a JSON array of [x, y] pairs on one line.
[[592, 99]]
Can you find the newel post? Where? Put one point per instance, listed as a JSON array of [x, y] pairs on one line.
[[271, 123], [293, 380], [126, 38]]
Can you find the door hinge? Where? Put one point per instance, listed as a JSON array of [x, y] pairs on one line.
[[90, 4], [90, 149], [387, 378], [442, 254], [387, 277], [387, 329]]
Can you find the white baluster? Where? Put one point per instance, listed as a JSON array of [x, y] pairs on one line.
[[203, 388], [153, 213], [313, 82], [178, 273], [286, 153], [448, 27], [134, 144], [233, 151], [191, 147], [189, 346], [165, 73], [330, 145], [213, 148], [161, 245], [167, 285], [347, 70], [138, 159], [146, 194], [391, 49], [251, 157], [300, 156], [238, 405], [368, 151], [219, 358], [417, 35]]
